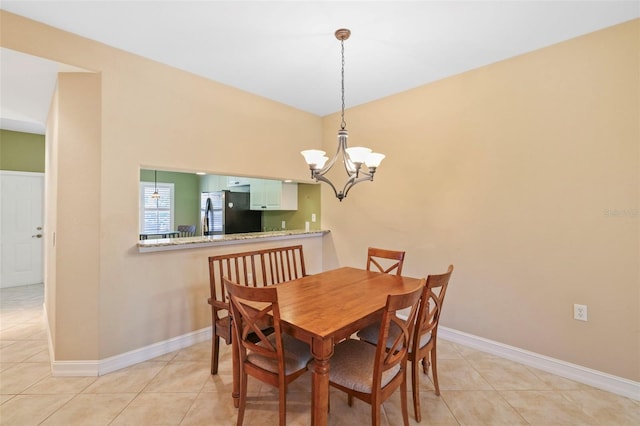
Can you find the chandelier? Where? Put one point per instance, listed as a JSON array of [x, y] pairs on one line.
[[353, 158]]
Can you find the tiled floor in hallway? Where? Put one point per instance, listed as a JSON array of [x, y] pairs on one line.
[[177, 389]]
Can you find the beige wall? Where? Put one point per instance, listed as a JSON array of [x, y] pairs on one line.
[[150, 116], [512, 172], [78, 227], [506, 171]]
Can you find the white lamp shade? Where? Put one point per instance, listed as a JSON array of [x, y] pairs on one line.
[[321, 161], [314, 156], [374, 159], [358, 154]]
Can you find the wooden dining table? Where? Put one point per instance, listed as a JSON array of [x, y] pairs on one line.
[[323, 309]]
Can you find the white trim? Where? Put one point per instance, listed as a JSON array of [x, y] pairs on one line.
[[108, 365], [75, 368], [17, 173], [588, 376], [155, 350]]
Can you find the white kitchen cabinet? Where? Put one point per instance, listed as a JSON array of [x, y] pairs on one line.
[[212, 183], [237, 181], [269, 194]]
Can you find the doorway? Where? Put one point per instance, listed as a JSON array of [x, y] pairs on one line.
[[21, 228]]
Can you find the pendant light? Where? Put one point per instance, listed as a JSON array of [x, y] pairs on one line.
[[353, 158], [155, 194]]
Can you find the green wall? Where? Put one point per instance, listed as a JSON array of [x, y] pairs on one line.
[[186, 196], [308, 203], [23, 152]]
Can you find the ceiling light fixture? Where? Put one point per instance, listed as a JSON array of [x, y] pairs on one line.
[[155, 194], [352, 158]]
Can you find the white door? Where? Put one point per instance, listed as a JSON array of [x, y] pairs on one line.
[[21, 228]]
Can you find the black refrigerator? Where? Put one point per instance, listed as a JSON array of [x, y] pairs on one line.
[[226, 212]]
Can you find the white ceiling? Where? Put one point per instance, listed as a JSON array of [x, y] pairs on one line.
[[286, 51]]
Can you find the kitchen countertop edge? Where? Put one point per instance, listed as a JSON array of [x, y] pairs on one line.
[[164, 244]]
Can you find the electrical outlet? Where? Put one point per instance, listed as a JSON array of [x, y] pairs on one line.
[[284, 224], [580, 312], [313, 217]]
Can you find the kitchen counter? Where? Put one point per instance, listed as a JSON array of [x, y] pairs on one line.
[[162, 244]]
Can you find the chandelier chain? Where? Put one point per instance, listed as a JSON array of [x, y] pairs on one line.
[[343, 124]]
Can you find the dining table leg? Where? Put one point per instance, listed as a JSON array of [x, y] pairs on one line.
[[322, 351]]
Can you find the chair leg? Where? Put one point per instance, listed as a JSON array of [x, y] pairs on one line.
[[403, 401], [375, 413], [243, 398], [350, 400], [415, 389], [434, 371], [282, 404], [215, 352]]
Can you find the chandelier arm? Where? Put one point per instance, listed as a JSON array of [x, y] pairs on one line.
[[320, 178], [353, 182], [368, 173], [349, 166], [331, 162]]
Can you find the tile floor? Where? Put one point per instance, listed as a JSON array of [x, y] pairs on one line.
[[177, 389]]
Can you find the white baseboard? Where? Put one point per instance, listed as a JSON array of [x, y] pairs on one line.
[[75, 368], [155, 350], [108, 365], [597, 379]]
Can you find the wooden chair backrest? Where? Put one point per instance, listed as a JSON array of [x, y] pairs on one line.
[[248, 321], [258, 268], [431, 305], [395, 352], [393, 260]]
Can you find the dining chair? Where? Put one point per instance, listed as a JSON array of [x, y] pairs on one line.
[[372, 373], [257, 268], [385, 260], [187, 230], [425, 336], [276, 359]]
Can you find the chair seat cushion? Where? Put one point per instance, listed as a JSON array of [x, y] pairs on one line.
[[297, 355], [352, 366], [370, 334]]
